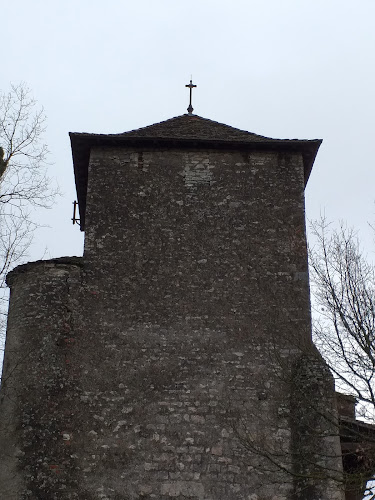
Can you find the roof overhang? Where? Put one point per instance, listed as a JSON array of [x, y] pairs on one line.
[[83, 143]]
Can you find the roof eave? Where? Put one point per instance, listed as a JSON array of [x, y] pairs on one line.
[[82, 143]]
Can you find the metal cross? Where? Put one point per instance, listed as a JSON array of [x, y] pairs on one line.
[[190, 86]]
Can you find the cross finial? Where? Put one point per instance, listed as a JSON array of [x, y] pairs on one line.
[[190, 109]]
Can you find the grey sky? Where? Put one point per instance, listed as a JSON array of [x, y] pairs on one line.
[[281, 68]]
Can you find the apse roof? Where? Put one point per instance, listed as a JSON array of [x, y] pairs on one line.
[[185, 131]]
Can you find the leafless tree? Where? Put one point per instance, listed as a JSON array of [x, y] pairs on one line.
[[343, 296], [343, 290], [24, 183]]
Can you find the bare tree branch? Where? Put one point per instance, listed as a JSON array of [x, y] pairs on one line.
[[343, 297], [24, 183]]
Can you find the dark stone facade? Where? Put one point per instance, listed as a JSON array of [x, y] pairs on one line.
[[163, 364]]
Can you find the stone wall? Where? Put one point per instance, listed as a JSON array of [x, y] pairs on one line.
[[210, 255], [38, 386], [163, 365], [199, 234]]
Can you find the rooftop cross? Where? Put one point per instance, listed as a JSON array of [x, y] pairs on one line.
[[190, 86]]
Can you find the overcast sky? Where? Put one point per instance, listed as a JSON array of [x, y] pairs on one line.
[[280, 68]]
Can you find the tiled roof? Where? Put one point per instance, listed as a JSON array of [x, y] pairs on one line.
[[190, 127], [185, 131], [194, 127]]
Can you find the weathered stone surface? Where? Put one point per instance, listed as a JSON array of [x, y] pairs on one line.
[[160, 366]]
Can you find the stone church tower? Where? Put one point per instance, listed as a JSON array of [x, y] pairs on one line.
[[174, 359]]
